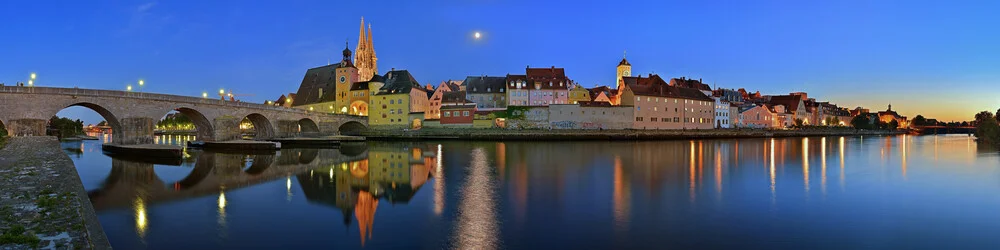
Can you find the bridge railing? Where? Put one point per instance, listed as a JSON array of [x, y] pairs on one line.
[[143, 95]]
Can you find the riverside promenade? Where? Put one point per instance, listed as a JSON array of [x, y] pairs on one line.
[[42, 201], [609, 135]]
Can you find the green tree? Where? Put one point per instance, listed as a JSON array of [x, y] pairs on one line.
[[861, 122], [102, 123], [892, 125], [988, 130], [799, 122]]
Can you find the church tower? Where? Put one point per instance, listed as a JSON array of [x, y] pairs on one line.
[[624, 69], [346, 74], [364, 56]]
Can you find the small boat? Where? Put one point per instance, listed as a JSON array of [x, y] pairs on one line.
[[196, 144]]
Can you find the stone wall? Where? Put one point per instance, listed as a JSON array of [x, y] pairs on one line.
[[574, 116]]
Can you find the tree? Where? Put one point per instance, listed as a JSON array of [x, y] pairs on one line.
[[892, 125], [799, 122], [919, 120], [836, 121], [102, 123], [982, 116], [861, 122], [988, 130]]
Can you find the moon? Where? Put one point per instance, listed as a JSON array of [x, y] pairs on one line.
[[477, 35]]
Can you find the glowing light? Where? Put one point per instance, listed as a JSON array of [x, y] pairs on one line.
[[141, 82], [222, 91], [288, 188], [128, 88], [805, 163], [439, 195], [204, 94], [477, 35], [33, 76], [222, 200], [140, 217]]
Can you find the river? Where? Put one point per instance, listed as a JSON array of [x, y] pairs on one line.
[[898, 192]]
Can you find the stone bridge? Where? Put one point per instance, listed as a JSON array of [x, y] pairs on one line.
[[132, 115]]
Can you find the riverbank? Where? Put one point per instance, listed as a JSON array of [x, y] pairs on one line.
[[42, 201], [607, 135]]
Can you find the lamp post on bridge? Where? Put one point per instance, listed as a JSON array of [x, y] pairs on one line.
[[141, 83]]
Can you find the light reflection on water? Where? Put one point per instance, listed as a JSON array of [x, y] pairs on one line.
[[928, 191]]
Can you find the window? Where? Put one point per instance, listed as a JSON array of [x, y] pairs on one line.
[[655, 108], [652, 119], [392, 101], [638, 119], [676, 119], [392, 111], [637, 98], [465, 113], [447, 114], [400, 111]]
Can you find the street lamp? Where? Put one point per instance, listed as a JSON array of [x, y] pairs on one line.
[[141, 82], [204, 94], [128, 88]]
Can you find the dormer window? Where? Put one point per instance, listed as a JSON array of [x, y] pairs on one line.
[[489, 90]]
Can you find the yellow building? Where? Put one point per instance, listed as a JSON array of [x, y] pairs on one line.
[[578, 94], [360, 94], [400, 102]]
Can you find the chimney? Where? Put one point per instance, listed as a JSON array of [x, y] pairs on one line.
[[392, 69], [699, 80]]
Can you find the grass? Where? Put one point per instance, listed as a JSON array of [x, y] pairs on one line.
[[16, 235]]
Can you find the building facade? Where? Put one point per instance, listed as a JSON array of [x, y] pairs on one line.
[[756, 116], [488, 92], [578, 94], [517, 90], [660, 106], [392, 105]]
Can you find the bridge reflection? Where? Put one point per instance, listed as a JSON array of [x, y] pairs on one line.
[[134, 181], [393, 172]]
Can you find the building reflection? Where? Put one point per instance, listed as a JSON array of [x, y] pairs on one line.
[[393, 172], [133, 181]]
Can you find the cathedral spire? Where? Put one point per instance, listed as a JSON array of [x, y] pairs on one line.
[[361, 34]]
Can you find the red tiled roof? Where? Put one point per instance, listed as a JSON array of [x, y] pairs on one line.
[[547, 78], [655, 86], [689, 83], [791, 102]]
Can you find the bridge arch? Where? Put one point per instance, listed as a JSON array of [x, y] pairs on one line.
[[261, 125], [201, 123], [351, 128], [308, 126], [110, 118]]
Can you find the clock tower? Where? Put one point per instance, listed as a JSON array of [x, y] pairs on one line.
[[624, 69], [345, 75]]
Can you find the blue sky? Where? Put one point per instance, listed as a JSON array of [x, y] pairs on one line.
[[937, 58]]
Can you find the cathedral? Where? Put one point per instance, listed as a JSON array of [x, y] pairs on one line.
[[364, 55]]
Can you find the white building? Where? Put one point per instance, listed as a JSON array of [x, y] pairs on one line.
[[722, 118]]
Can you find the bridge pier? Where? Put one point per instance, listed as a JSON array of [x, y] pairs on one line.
[[227, 128], [286, 128], [26, 127], [135, 130]]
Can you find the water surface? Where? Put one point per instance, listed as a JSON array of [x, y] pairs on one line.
[[932, 192]]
